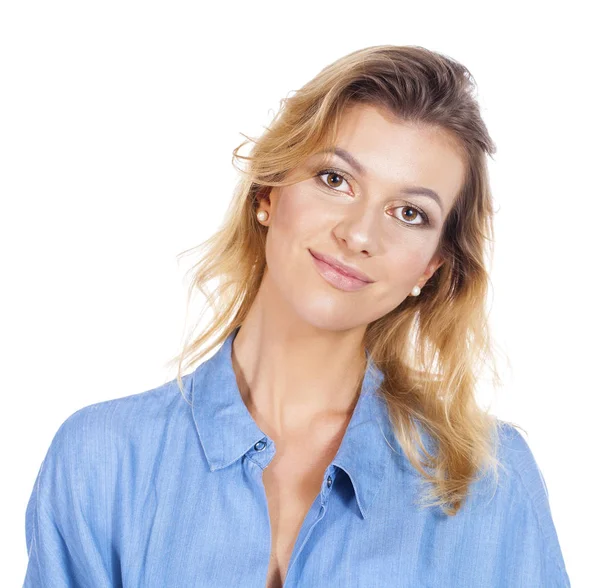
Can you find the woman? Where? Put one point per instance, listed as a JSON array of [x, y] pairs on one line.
[[334, 438]]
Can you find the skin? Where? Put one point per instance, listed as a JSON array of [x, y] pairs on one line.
[[298, 356]]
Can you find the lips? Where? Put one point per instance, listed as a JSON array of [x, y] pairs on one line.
[[336, 278], [340, 267]]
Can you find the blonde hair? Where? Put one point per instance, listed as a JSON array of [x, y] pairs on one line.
[[431, 347]]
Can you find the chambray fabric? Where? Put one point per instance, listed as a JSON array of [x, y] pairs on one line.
[[148, 491]]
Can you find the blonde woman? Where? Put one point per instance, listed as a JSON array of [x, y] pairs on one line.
[[334, 438]]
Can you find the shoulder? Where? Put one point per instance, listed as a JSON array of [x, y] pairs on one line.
[[122, 419], [519, 464], [90, 471], [106, 444], [527, 495], [108, 441]]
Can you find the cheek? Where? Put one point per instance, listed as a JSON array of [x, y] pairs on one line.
[[299, 214], [402, 269], [296, 225]]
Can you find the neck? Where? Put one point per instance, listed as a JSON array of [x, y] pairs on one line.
[[291, 374]]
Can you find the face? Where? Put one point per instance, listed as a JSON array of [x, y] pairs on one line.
[[365, 211]]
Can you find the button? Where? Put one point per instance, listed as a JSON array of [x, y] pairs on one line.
[[329, 481], [260, 445]]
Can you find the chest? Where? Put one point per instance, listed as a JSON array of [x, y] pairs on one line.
[[292, 482], [210, 528]]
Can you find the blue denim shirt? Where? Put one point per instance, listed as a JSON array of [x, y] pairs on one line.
[[148, 491]]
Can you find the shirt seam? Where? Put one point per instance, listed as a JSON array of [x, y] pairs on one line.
[[36, 526], [254, 461], [524, 490]]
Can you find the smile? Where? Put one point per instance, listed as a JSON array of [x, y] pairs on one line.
[[336, 278]]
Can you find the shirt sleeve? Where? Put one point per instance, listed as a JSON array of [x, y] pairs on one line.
[[64, 514], [535, 557]]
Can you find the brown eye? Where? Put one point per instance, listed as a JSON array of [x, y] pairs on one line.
[[333, 179], [337, 180], [413, 213]]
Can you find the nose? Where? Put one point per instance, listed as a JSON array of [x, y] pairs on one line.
[[358, 229]]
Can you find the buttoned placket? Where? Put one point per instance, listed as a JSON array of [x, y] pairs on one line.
[[307, 526], [261, 454]]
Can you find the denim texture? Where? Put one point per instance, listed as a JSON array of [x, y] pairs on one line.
[[148, 491]]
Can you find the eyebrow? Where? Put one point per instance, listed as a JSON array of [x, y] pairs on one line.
[[415, 190]]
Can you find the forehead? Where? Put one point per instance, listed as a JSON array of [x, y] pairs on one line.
[[402, 153]]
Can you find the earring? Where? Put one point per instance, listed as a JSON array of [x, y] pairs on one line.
[[415, 291], [262, 215]]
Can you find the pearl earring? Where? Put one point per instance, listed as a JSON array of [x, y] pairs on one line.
[[262, 215], [415, 291]]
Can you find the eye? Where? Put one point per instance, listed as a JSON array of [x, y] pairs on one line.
[[338, 178], [414, 211]]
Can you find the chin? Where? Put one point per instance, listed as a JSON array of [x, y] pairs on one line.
[[325, 313]]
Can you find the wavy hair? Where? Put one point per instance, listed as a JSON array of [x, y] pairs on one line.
[[431, 347]]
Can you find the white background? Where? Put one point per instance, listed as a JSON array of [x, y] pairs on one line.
[[117, 123]]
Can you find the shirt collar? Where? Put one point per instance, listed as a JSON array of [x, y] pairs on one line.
[[227, 430]]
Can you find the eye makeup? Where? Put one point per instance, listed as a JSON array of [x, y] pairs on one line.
[[347, 178]]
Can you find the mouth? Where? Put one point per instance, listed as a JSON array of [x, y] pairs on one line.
[[336, 277]]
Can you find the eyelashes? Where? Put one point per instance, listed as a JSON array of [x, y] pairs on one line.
[[336, 172], [333, 172]]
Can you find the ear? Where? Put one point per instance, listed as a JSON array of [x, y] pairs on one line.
[[266, 196], [432, 266]]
